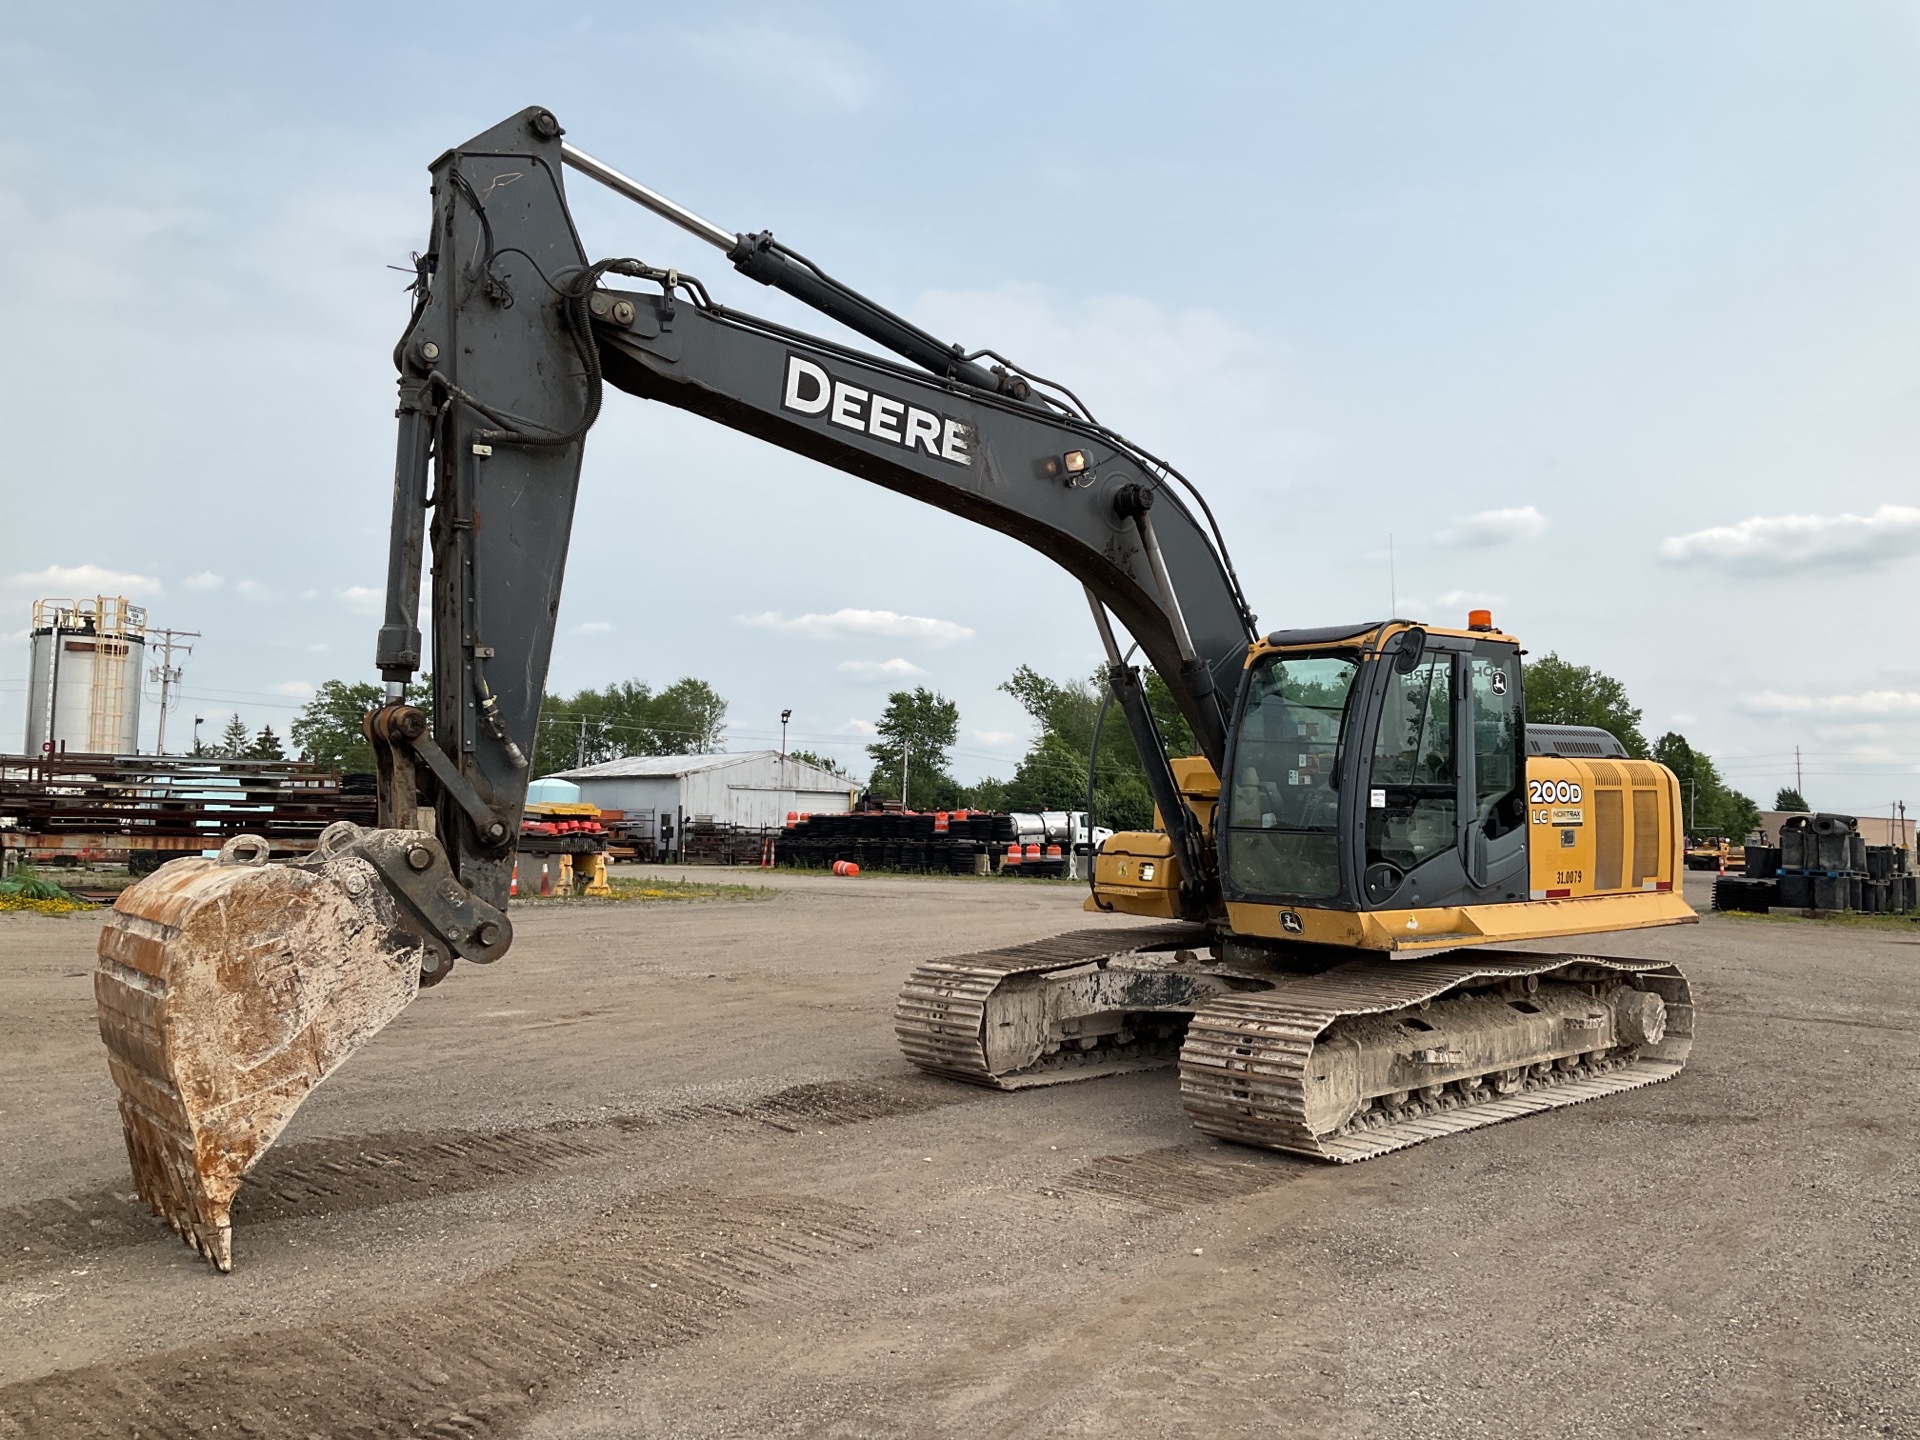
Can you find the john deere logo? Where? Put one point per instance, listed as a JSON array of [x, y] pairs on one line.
[[1290, 923]]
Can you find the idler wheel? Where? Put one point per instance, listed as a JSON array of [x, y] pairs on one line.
[[1639, 1017]]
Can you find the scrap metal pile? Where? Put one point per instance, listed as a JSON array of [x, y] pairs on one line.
[[1822, 863]]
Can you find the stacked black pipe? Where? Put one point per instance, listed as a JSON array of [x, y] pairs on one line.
[[1822, 863], [919, 842]]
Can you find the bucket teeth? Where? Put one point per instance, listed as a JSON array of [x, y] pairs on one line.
[[225, 994]]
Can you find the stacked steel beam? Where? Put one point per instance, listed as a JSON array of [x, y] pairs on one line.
[[147, 808], [929, 842]]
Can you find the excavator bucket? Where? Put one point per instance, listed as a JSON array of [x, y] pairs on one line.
[[227, 989]]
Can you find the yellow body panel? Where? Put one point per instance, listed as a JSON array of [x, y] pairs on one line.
[[1136, 873], [1446, 927], [1602, 827]]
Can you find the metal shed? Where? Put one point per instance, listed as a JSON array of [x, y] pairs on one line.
[[753, 789]]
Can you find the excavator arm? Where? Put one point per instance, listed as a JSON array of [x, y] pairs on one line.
[[229, 988], [514, 339]]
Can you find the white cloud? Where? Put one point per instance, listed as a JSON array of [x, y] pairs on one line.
[[363, 599], [881, 624], [593, 627], [1439, 611], [859, 727], [205, 580], [1865, 730], [1886, 704], [1682, 718], [294, 689], [1190, 383], [253, 590], [1497, 527], [1782, 544], [994, 737], [78, 580], [895, 669], [800, 67]]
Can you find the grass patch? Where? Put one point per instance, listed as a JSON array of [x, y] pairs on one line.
[[650, 892], [27, 890], [1830, 919]]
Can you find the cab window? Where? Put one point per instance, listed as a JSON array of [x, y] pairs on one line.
[[1412, 799], [1499, 740], [1283, 806]]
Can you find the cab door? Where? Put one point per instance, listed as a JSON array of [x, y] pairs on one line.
[[1493, 772], [1444, 791]]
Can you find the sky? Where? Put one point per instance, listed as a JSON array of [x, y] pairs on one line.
[[1603, 316]]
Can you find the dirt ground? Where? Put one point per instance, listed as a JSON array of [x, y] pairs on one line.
[[663, 1172]]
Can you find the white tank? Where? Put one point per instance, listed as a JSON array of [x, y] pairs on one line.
[[83, 685]]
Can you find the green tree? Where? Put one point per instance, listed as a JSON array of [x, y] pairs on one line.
[[923, 726], [1559, 693], [1785, 799], [1053, 774], [809, 757], [1708, 805], [327, 729], [688, 717], [234, 739], [266, 746]]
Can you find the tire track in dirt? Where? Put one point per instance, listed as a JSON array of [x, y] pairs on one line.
[[328, 1177], [1179, 1177], [477, 1360]]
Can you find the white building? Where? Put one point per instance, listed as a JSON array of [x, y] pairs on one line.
[[755, 789]]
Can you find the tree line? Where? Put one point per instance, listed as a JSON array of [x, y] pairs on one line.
[[687, 717], [920, 727]]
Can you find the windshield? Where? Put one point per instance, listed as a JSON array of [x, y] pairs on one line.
[[1283, 808]]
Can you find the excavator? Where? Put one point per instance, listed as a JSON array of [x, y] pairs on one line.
[[1367, 817]]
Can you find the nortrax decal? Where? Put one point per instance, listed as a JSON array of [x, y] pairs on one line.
[[810, 390]]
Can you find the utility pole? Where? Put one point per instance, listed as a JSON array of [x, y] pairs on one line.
[[580, 750], [168, 674], [1799, 785], [904, 745], [785, 716]]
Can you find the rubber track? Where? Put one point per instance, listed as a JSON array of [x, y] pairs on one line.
[[940, 1015], [1244, 1064]]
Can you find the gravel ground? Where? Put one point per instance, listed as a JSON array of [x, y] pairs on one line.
[[663, 1172]]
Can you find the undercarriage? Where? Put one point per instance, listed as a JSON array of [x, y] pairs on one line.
[[1340, 1063]]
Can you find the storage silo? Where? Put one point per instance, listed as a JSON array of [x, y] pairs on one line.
[[83, 684]]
